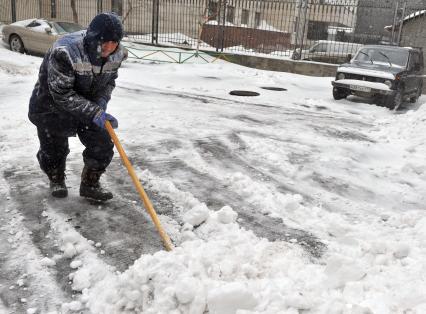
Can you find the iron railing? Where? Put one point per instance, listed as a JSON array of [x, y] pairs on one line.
[[319, 30]]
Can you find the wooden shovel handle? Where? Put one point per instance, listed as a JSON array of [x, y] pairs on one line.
[[148, 205]]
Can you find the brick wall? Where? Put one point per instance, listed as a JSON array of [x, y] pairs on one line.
[[250, 38]]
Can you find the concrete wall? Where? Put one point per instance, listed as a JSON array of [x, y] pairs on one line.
[[297, 67], [414, 33]]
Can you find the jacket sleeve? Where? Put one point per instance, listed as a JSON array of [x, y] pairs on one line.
[[60, 79], [104, 97]]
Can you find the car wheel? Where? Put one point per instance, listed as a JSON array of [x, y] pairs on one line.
[[339, 93], [419, 93], [16, 44], [395, 101]]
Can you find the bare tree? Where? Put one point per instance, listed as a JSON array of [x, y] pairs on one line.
[[131, 5], [204, 18], [129, 10]]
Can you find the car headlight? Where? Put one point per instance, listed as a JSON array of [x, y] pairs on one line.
[[388, 83], [340, 76]]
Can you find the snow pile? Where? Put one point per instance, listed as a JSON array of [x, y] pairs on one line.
[[264, 197], [265, 26], [221, 274], [405, 131], [223, 268], [413, 15], [170, 39], [196, 215], [230, 298], [215, 22]]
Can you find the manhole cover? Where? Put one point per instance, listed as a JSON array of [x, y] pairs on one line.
[[278, 89], [243, 93]]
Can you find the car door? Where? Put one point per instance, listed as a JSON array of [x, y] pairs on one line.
[[318, 52], [24, 33], [415, 73], [39, 39], [419, 70]]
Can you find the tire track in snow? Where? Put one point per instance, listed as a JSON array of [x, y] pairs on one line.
[[214, 192], [21, 265], [120, 225]]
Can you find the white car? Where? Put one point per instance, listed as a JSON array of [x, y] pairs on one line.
[[328, 51], [36, 35]]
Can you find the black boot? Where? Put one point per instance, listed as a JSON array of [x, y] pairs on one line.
[[57, 183], [90, 186]]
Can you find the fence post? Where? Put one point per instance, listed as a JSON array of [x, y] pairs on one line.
[[300, 28], [219, 28], [13, 7], [99, 6], [154, 24], [223, 27], [39, 9], [401, 25], [395, 16]]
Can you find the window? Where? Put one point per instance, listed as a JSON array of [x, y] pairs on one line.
[[53, 9], [414, 60], [317, 30], [244, 17], [66, 27], [34, 24], [320, 47], [117, 7], [212, 10], [257, 19], [383, 55], [230, 13]]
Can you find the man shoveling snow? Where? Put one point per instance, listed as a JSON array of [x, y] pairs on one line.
[[70, 98]]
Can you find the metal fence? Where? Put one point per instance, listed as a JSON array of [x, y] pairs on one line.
[[319, 30]]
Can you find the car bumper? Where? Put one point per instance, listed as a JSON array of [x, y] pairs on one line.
[[363, 88]]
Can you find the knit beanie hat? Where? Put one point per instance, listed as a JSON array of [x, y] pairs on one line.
[[106, 27]]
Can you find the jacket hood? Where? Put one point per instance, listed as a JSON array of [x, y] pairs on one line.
[[104, 27]]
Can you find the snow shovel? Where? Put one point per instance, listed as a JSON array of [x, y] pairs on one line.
[[148, 205]]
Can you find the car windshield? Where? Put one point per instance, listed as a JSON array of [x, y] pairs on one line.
[[388, 56], [66, 27]]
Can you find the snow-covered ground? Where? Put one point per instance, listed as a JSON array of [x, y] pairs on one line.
[[289, 202]]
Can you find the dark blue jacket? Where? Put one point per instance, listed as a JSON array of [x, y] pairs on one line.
[[71, 89]]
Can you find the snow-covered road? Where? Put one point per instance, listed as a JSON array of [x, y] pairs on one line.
[[284, 202]]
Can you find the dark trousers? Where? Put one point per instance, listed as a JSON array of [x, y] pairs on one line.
[[54, 147]]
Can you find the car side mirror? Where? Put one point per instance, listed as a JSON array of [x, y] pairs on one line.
[[349, 57], [48, 30]]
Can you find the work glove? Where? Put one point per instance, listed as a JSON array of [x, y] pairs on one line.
[[101, 117], [102, 103]]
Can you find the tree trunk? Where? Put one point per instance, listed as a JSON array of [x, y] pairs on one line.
[[74, 12], [129, 10]]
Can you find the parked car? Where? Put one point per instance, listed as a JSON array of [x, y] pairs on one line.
[[36, 35], [328, 51], [391, 74]]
